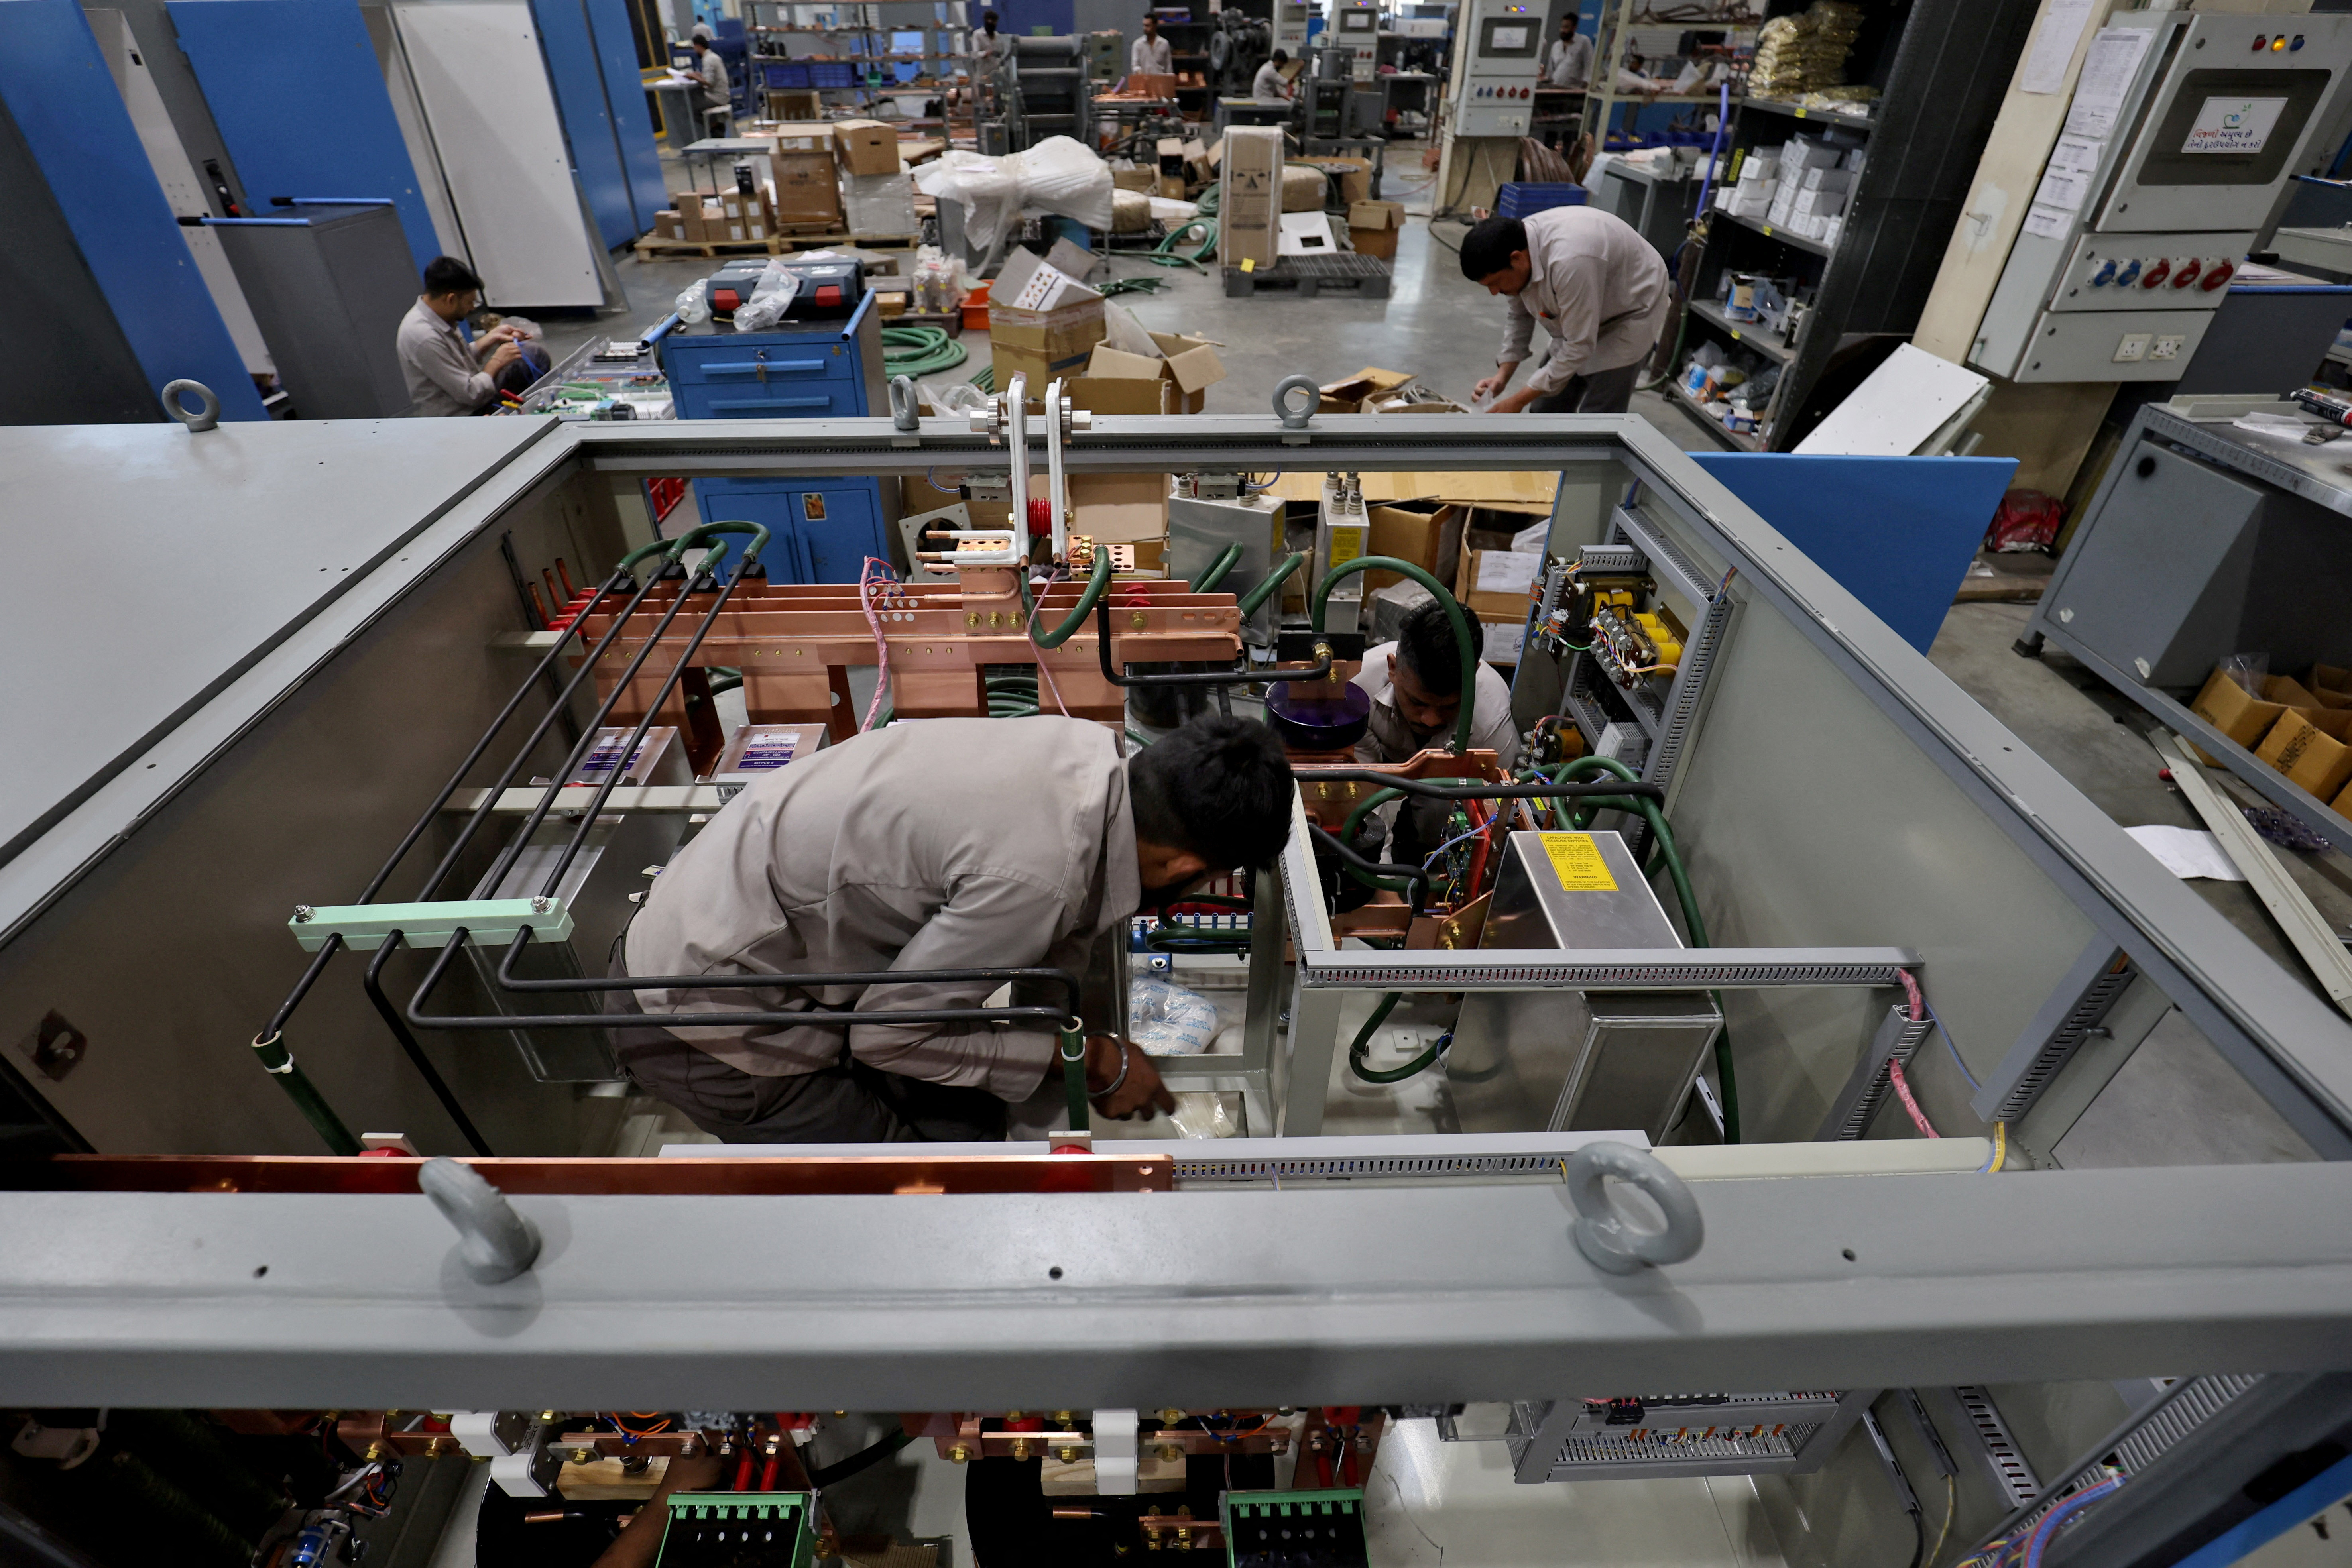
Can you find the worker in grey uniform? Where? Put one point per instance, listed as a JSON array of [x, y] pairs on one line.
[[1415, 686], [1149, 54], [1568, 59], [711, 72], [1270, 85], [938, 844], [444, 373], [1598, 289]]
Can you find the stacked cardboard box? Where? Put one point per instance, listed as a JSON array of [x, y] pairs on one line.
[[2302, 728], [866, 146], [723, 217], [1250, 196], [807, 183], [1043, 322]]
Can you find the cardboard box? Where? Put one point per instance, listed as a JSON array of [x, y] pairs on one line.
[[1187, 365], [807, 188], [1355, 176], [803, 136], [1134, 179], [1421, 537], [1170, 150], [1250, 196], [1041, 322], [1150, 84], [1150, 394], [2234, 711], [2342, 804], [1346, 394], [1373, 227], [667, 226], [2307, 755], [2326, 678], [866, 146], [1495, 583]]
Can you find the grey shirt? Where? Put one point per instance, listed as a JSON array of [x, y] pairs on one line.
[[711, 71], [1269, 85], [1567, 62], [445, 376], [935, 844], [1598, 289], [1388, 738]]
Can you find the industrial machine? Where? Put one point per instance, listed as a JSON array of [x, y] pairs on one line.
[[2172, 167], [1238, 45], [359, 804], [1495, 82], [1354, 25], [1043, 90], [1290, 19]]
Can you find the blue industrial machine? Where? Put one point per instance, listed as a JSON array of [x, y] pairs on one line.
[[822, 362], [110, 307], [592, 63]]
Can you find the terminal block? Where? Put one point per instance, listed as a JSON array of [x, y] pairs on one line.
[[738, 1530], [1295, 1529]]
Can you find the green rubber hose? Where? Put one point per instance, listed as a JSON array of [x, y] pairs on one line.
[[1452, 612], [1361, 1047], [1218, 570], [920, 352], [1265, 591], [1095, 587]]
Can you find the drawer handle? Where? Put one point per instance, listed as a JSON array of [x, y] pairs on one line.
[[762, 369]]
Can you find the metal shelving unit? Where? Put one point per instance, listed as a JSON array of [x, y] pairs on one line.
[[874, 22], [1941, 67]]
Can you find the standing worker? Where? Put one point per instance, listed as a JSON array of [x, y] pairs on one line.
[[948, 845], [985, 46], [1598, 286], [1568, 59], [1270, 85], [1151, 55], [445, 374], [711, 71]]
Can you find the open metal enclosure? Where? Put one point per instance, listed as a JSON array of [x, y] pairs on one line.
[[342, 609]]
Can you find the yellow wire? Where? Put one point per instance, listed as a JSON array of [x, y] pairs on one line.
[[1999, 1146], [1951, 1504]]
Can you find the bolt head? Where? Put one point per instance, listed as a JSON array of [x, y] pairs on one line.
[[1138, 620], [959, 1455], [1172, 1453], [538, 905], [1066, 1455], [302, 912], [583, 1456]]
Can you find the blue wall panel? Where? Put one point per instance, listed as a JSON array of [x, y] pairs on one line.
[[569, 46], [63, 99], [299, 95], [625, 96], [1897, 533]]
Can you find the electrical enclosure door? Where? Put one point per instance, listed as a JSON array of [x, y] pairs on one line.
[[492, 119], [578, 80]]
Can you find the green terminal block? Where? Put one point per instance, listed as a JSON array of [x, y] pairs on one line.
[[738, 1530], [1295, 1528], [486, 922]]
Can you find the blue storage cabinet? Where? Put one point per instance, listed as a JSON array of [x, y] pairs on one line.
[[823, 527]]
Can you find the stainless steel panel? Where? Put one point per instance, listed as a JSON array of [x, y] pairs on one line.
[[1548, 1060]]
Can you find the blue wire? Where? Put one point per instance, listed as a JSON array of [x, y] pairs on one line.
[[1953, 1049], [1449, 843]]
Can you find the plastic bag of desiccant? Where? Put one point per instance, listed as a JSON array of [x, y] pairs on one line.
[[1058, 175], [1166, 1020]]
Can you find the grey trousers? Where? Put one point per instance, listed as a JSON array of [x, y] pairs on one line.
[[1603, 391]]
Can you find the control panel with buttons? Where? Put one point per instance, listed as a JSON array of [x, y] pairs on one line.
[[2149, 272]]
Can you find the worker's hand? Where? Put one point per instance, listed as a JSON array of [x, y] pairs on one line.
[[1492, 383], [700, 1473], [500, 358], [1514, 401], [499, 335], [1140, 1089]]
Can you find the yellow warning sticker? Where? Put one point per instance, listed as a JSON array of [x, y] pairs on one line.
[[1249, 264], [1576, 860]]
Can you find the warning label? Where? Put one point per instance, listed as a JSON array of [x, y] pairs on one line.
[[1576, 860]]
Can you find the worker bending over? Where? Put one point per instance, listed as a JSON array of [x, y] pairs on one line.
[[1599, 290], [1270, 85], [1415, 685], [1150, 54], [445, 374], [940, 845]]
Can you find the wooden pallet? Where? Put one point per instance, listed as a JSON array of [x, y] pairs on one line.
[[1365, 278]]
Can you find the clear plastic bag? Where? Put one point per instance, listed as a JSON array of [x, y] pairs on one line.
[[2249, 670], [771, 298], [1166, 1020], [694, 303], [1058, 175]]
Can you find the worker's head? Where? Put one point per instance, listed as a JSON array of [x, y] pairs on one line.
[[1214, 796], [701, 44], [1425, 670], [988, 20], [1150, 25], [1568, 26], [451, 290], [702, 31], [1281, 58], [1495, 253]]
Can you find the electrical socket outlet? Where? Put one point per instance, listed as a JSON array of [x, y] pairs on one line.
[[2132, 348], [2167, 347]]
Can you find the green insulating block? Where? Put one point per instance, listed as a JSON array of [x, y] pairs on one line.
[[1339, 1506], [363, 926], [772, 1529]]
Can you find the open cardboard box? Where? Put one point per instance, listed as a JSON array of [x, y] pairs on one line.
[[1189, 365], [2289, 726], [1373, 227]]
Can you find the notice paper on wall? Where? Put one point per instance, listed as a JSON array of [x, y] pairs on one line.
[[2048, 223], [2077, 154], [2106, 78], [2062, 190], [2053, 45], [1508, 571]]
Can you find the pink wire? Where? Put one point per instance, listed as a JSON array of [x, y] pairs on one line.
[[1894, 1068], [866, 580], [1034, 610]]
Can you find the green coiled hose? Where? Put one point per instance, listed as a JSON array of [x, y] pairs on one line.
[[920, 352]]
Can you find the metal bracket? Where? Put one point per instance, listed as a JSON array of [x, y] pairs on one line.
[[1603, 1233], [1857, 1104], [364, 926], [2006, 1462], [495, 1243]]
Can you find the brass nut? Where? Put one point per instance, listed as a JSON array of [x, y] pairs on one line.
[[971, 618], [1020, 1447], [1172, 1453], [1279, 1446], [374, 1452], [1139, 620], [1067, 1456], [583, 1456], [1170, 1416], [959, 1455], [1064, 1417], [1013, 1415]]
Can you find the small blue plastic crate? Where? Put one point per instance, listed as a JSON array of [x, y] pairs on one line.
[[780, 75], [1521, 198], [832, 73]]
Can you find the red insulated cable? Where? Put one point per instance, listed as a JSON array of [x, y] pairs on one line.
[[1323, 1468], [743, 1472], [767, 1472]]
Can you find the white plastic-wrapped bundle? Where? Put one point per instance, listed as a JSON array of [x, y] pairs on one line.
[[1058, 177]]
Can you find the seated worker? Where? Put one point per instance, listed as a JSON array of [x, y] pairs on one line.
[[445, 374], [1270, 85], [711, 72], [940, 844], [1415, 685]]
